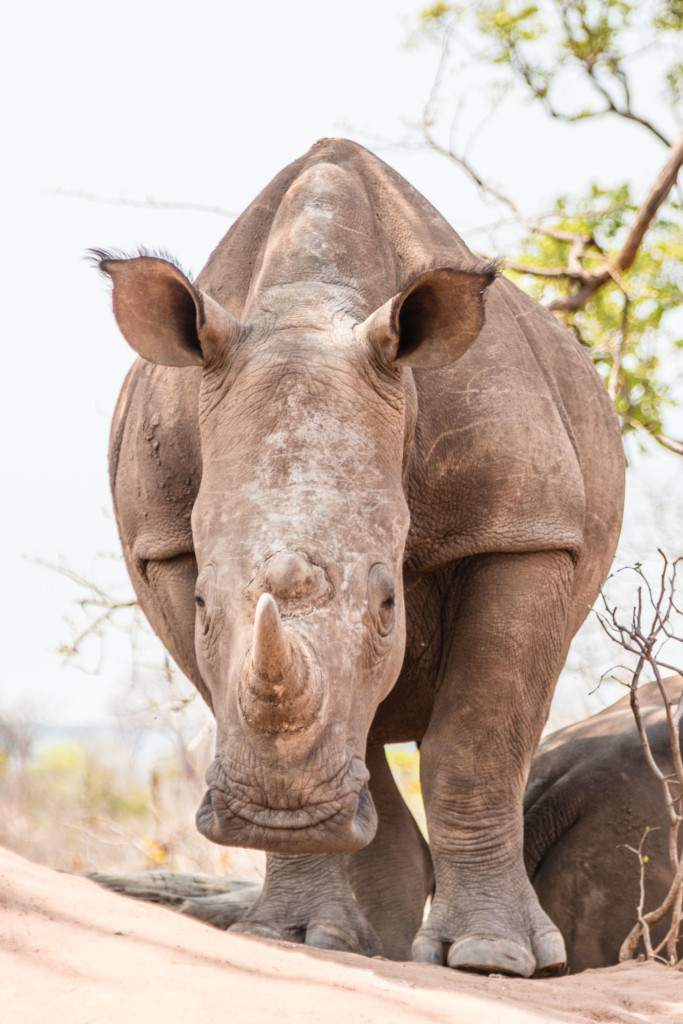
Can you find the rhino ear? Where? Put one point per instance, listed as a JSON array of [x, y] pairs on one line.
[[162, 315], [433, 321]]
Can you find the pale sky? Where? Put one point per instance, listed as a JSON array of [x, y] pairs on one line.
[[202, 105]]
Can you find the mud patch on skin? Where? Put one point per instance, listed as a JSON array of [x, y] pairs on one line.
[[149, 431]]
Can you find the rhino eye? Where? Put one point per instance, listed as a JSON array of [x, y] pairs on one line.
[[202, 616], [205, 596], [382, 598]]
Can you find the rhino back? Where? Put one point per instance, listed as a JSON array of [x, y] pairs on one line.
[[394, 232]]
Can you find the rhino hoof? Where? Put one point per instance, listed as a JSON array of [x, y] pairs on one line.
[[551, 956], [427, 951], [328, 937], [487, 956]]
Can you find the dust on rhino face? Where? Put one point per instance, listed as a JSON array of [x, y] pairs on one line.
[[299, 528]]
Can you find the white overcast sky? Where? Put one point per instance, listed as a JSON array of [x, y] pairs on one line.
[[201, 103]]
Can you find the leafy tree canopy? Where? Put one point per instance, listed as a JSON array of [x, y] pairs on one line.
[[608, 262]]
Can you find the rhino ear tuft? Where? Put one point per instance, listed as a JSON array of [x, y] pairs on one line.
[[164, 317], [434, 320]]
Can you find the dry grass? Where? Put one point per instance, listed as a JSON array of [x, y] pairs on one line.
[[95, 805]]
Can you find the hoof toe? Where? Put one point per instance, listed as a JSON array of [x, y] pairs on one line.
[[487, 956], [327, 938], [551, 956], [427, 951]]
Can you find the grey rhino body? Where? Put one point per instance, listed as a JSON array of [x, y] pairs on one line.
[[366, 492], [591, 795]]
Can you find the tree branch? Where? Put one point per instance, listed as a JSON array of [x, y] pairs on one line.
[[623, 111], [550, 272], [646, 639], [591, 65], [663, 439], [626, 257], [154, 204]]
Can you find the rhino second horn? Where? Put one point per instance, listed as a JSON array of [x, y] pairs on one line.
[[281, 689]]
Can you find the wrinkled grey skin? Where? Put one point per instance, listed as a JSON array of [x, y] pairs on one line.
[[590, 795], [366, 492]]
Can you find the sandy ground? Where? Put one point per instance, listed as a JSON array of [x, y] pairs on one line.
[[72, 952]]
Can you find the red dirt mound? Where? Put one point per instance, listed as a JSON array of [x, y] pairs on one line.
[[72, 952]]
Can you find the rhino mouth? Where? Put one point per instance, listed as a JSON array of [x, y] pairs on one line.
[[340, 824]]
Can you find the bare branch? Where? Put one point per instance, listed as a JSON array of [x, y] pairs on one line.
[[591, 66], [671, 938], [646, 640], [630, 943], [549, 272], [97, 598], [92, 629], [643, 925], [624, 111], [426, 128], [148, 203]]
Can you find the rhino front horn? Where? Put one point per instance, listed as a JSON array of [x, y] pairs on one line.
[[271, 654], [280, 690]]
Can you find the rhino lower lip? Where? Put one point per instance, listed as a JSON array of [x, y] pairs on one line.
[[337, 831], [231, 799], [261, 821]]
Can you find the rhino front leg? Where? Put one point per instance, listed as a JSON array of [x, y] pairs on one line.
[[508, 623], [392, 877], [307, 898]]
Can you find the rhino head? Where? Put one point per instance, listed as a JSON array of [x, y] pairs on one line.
[[307, 416]]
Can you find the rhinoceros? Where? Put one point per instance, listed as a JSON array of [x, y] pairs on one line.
[[591, 795], [366, 491]]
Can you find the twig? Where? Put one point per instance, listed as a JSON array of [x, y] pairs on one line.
[[644, 925], [148, 203], [645, 640]]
